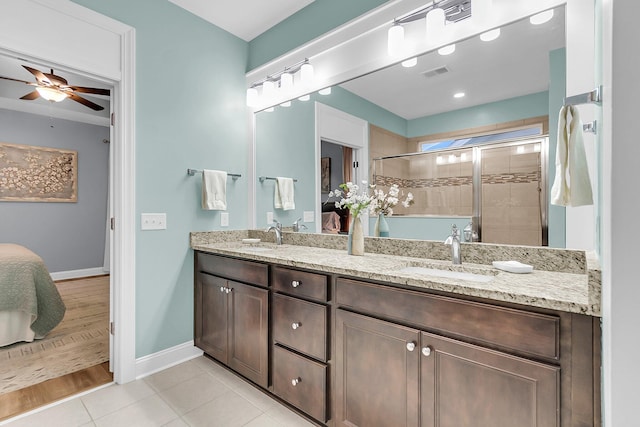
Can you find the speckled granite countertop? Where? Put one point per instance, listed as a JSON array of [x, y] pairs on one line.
[[573, 290]]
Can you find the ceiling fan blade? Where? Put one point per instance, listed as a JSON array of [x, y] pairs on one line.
[[15, 80], [93, 90], [85, 102], [31, 96], [39, 75]]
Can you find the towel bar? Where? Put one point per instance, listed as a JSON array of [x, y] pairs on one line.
[[591, 127], [595, 96], [262, 178], [192, 172]]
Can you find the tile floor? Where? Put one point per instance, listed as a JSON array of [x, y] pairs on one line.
[[195, 393]]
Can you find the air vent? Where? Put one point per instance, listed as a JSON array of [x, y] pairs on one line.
[[435, 72]]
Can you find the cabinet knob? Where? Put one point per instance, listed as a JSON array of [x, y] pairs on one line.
[[426, 351], [295, 381], [296, 325], [295, 283], [411, 346], [222, 288], [228, 290]]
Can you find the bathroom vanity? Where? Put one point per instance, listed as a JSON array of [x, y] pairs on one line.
[[389, 340]]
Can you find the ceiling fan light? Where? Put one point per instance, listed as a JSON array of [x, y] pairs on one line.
[[447, 50], [541, 17], [51, 94], [435, 25], [395, 40], [490, 35], [411, 62]]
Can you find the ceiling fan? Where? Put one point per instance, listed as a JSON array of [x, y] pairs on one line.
[[55, 88]]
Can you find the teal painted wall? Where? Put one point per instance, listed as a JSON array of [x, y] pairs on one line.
[[305, 25], [557, 86], [517, 108], [190, 113], [422, 228]]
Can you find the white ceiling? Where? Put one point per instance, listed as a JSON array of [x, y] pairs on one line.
[[246, 19]]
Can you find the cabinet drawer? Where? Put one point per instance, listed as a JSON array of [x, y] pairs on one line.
[[515, 330], [300, 283], [301, 325], [301, 382], [235, 269]]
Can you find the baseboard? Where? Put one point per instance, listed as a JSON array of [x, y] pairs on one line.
[[76, 274], [164, 359]]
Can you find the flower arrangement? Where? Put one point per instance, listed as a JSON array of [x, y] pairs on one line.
[[350, 198], [382, 203]]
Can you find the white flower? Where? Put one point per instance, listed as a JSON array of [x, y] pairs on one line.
[[383, 203]]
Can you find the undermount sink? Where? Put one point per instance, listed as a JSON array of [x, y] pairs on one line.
[[435, 272], [259, 248]]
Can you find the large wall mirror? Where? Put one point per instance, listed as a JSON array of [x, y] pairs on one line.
[[485, 153]]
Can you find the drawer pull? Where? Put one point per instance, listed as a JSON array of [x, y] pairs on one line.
[[411, 346], [295, 283], [295, 381], [426, 351], [296, 325]]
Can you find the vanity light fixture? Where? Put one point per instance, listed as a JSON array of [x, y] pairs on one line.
[[252, 97], [283, 80], [490, 35], [306, 74], [325, 91], [286, 82], [51, 94], [269, 89], [411, 62], [395, 40], [435, 25], [459, 95], [447, 50], [304, 97], [541, 17]]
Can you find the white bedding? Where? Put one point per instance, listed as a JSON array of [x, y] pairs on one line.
[[15, 326]]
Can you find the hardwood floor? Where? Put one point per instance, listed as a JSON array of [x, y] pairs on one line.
[[26, 399], [72, 358]]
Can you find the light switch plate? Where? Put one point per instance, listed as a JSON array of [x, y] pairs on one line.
[[308, 216], [224, 219], [153, 221], [269, 218]]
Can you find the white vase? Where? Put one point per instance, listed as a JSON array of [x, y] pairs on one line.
[[355, 242]]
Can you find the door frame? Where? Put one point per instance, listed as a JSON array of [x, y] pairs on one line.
[[110, 58]]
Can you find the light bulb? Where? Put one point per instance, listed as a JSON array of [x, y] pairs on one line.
[[325, 91], [412, 62], [541, 17], [252, 97], [304, 97], [268, 90], [447, 50], [452, 158], [395, 40], [286, 82], [51, 94], [435, 25], [458, 95], [490, 35], [306, 74]]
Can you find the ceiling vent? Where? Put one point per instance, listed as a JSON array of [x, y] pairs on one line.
[[435, 72]]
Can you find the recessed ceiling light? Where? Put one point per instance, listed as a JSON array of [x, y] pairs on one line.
[[458, 95], [412, 62], [447, 50], [541, 17], [490, 35]]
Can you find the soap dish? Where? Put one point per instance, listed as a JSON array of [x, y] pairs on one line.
[[513, 266], [250, 241]]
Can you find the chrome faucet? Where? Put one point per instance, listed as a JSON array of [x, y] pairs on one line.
[[469, 234], [454, 241], [278, 229], [297, 226]]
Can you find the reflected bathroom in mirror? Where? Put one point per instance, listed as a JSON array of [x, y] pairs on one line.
[[491, 106]]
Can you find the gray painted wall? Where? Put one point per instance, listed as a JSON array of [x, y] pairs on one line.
[[67, 236]]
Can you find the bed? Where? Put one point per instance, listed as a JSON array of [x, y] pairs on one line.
[[30, 304]]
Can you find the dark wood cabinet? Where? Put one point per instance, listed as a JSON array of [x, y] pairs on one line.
[[232, 318]]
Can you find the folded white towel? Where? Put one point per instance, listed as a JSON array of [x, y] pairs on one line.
[[283, 195], [214, 190], [571, 186]]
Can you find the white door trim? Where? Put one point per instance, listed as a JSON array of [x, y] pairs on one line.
[[110, 57]]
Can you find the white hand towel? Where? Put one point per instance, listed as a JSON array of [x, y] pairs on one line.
[[283, 195], [571, 186], [214, 190]]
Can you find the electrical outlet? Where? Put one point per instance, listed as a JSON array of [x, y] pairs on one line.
[[224, 219], [308, 216], [269, 218], [153, 221]]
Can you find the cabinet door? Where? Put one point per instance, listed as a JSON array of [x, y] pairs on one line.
[[464, 385], [248, 331], [211, 316], [377, 375]]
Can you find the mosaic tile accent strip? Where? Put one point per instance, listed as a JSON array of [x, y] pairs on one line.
[[498, 178]]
